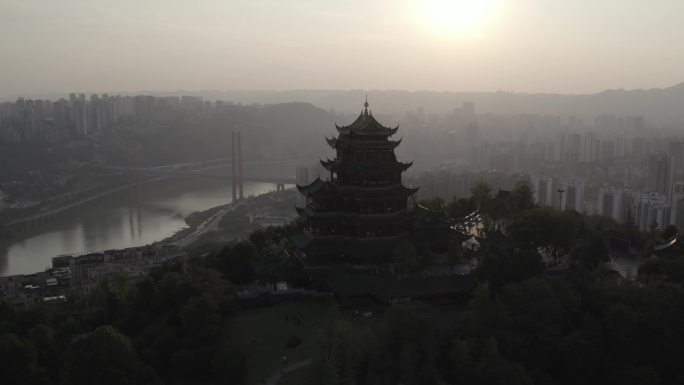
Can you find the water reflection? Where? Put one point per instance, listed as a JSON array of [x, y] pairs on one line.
[[120, 223]]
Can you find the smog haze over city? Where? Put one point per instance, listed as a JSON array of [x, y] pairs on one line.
[[416, 192], [445, 45]]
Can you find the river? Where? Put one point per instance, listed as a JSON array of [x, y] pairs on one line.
[[120, 222]]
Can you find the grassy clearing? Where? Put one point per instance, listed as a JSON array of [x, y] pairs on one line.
[[264, 332]]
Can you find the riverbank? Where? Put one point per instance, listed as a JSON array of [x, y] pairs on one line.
[[233, 221], [153, 215]]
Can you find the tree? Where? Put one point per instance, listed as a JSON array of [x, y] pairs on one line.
[[237, 262], [495, 369], [18, 360], [103, 356], [483, 312], [481, 195], [409, 338], [496, 209], [546, 227], [462, 361], [459, 208], [593, 251], [521, 198], [500, 267], [43, 338], [342, 349]]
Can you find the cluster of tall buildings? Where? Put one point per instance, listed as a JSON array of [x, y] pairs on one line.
[[643, 208], [568, 150], [616, 166], [646, 209], [523, 143], [39, 120]]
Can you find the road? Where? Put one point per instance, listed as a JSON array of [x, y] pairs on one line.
[[211, 224], [275, 377]]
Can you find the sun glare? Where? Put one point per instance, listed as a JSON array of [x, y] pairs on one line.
[[457, 18]]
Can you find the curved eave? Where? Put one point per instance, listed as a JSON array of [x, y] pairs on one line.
[[311, 187], [347, 141], [366, 167], [411, 190], [332, 142]]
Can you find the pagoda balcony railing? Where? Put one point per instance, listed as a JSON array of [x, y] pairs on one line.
[[359, 210], [355, 232], [366, 183]]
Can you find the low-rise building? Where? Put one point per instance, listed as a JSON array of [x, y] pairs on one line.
[[133, 263], [80, 275], [24, 290]]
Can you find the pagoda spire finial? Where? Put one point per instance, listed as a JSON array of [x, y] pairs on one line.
[[365, 106]]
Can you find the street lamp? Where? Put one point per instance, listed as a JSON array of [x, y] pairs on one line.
[[560, 200]]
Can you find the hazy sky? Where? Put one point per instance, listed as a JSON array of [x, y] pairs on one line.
[[568, 46]]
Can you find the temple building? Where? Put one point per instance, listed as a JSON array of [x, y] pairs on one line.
[[359, 213]]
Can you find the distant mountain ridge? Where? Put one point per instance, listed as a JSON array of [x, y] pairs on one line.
[[661, 105]]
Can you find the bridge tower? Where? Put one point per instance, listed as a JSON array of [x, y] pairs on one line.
[[131, 171], [233, 159], [239, 148]]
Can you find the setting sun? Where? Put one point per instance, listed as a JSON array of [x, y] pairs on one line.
[[457, 18]]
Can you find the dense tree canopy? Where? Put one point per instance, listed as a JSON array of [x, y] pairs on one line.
[[522, 324], [103, 356]]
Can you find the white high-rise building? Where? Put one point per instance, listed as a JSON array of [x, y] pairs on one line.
[[677, 215], [611, 203], [589, 148], [543, 189], [573, 195], [659, 174], [653, 212], [559, 147], [676, 169]]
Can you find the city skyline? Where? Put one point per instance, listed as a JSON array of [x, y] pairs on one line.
[[414, 45]]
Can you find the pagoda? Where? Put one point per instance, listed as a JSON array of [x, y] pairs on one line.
[[359, 213]]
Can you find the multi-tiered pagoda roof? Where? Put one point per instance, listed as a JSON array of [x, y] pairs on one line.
[[359, 211]]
